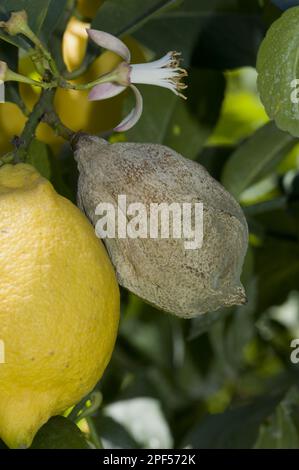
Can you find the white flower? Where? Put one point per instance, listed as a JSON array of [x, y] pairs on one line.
[[165, 72]]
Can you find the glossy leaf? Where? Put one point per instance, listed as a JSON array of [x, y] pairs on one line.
[[199, 24], [203, 323], [114, 434], [279, 433], [53, 16], [285, 4], [42, 16], [59, 433], [255, 158], [35, 9], [278, 268], [119, 18], [236, 428], [278, 68]]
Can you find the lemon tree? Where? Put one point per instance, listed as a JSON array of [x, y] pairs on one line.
[[72, 376]]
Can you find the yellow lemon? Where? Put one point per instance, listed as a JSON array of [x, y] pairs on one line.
[[59, 304], [74, 43]]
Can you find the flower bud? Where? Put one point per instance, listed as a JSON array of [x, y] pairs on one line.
[[163, 270], [17, 23]]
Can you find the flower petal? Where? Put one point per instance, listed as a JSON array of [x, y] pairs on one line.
[[104, 91], [134, 116], [110, 42], [163, 62]]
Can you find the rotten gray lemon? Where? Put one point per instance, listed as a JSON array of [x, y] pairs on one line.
[[185, 282]]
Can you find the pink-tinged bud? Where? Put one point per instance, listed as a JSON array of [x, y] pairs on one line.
[[165, 72], [104, 91], [110, 42]]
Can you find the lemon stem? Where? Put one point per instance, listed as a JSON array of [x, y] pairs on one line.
[[18, 25], [12, 76], [46, 54], [23, 142], [50, 117], [106, 78], [87, 61]]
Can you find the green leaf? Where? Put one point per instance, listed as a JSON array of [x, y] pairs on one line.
[[279, 433], [59, 433], [38, 156], [37, 12], [213, 158], [150, 339], [2, 445], [255, 158], [13, 40], [236, 428], [42, 16], [35, 9], [279, 222], [114, 433], [193, 23], [183, 126], [203, 323], [242, 35], [119, 18], [278, 66], [231, 335], [166, 120], [54, 13], [277, 264]]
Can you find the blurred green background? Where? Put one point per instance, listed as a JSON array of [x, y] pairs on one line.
[[225, 379]]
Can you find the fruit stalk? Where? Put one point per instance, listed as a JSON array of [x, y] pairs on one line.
[[22, 143], [51, 118]]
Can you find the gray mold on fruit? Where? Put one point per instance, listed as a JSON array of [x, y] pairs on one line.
[[161, 271]]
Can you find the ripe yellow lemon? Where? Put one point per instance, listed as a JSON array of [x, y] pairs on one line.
[[59, 304]]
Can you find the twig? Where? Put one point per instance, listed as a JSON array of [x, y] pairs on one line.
[[51, 118], [23, 142]]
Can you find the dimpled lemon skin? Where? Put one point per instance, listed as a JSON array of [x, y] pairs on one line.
[[59, 304]]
